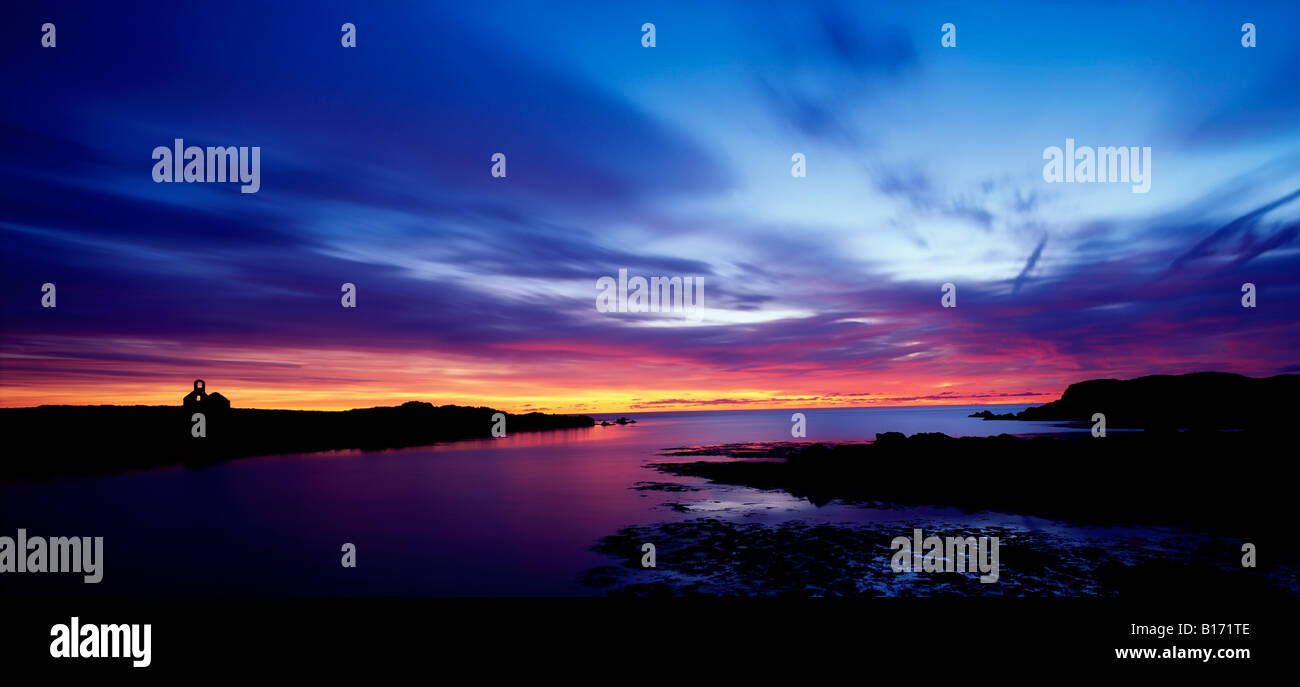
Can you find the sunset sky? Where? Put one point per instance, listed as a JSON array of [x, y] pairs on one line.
[[924, 166]]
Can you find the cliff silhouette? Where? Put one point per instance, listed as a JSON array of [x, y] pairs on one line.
[[1199, 400], [56, 440]]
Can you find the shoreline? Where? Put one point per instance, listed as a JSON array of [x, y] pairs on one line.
[[58, 441], [1129, 477]]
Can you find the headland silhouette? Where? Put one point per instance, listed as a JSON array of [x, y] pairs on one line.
[[54, 440]]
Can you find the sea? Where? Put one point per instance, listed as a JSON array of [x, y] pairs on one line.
[[518, 515]]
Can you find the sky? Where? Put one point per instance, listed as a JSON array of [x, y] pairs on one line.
[[924, 167]]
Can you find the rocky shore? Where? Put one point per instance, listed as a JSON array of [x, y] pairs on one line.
[[1141, 515], [720, 557], [1206, 479], [49, 441]]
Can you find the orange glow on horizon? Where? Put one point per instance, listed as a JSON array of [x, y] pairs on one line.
[[308, 379], [279, 399]]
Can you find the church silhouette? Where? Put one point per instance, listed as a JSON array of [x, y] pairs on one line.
[[199, 400]]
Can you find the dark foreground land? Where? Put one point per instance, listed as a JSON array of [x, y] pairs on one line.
[[724, 557], [49, 441], [1202, 400], [1210, 480], [1163, 512], [1154, 515]]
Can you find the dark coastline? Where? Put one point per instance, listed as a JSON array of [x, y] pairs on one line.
[[1198, 497], [1211, 459], [1208, 456], [1177, 478], [1203, 400], [53, 441]]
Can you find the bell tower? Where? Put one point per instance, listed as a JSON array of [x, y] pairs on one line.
[[198, 395]]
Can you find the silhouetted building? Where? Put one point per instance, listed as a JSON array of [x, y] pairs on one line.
[[200, 400], [194, 399]]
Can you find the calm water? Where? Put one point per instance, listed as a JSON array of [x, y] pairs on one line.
[[511, 516]]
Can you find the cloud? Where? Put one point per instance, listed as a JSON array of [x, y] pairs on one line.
[[378, 175], [1029, 266], [1244, 223]]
